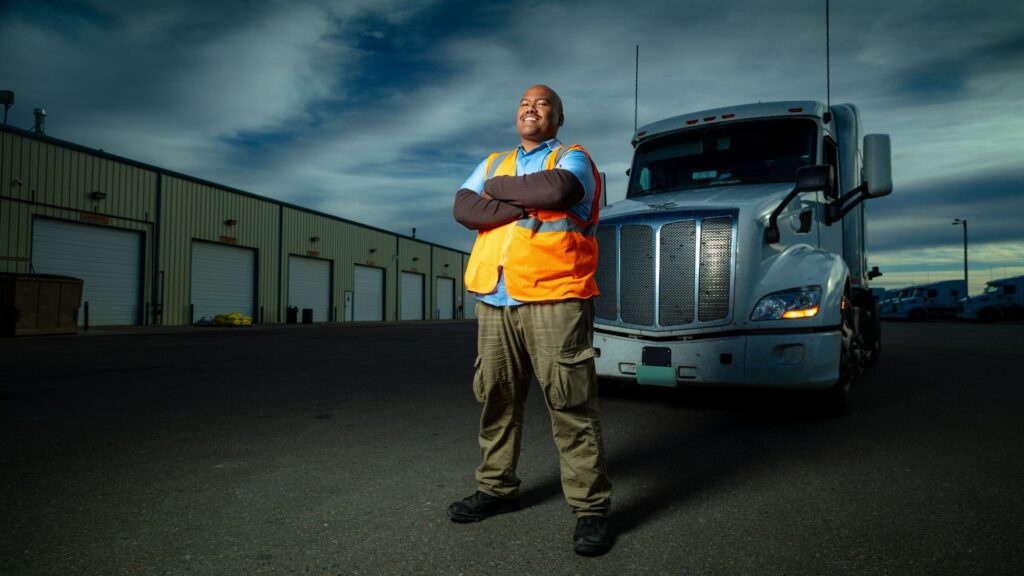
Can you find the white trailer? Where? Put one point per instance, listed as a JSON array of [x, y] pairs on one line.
[[1002, 300], [892, 298], [738, 256], [933, 300]]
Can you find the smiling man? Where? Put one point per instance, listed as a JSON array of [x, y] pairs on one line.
[[535, 210]]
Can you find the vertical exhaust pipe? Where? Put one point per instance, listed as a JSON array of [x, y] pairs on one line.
[[40, 126]]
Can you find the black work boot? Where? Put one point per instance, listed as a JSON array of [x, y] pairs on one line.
[[480, 506], [592, 536]]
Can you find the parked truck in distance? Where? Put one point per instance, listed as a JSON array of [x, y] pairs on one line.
[[738, 256], [1002, 300], [933, 300]]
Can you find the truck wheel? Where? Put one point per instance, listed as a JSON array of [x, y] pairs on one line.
[[870, 325], [875, 346], [836, 399]]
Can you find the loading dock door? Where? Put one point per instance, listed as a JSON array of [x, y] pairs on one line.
[[445, 298], [468, 304], [108, 260], [412, 296], [223, 280], [369, 296], [309, 286]]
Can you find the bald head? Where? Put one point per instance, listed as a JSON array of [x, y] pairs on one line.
[[539, 116]]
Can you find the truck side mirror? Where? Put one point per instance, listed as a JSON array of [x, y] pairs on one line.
[[814, 179], [808, 179], [877, 165]]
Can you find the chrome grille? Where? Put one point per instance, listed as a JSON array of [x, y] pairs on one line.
[[636, 302], [606, 305], [715, 268], [675, 292], [671, 273]]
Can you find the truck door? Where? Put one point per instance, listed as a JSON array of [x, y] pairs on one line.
[[830, 238]]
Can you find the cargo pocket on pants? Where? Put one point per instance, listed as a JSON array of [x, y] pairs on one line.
[[478, 381], [570, 383]]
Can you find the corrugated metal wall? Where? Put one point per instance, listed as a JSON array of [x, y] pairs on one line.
[[414, 257], [42, 176], [448, 264], [193, 211], [344, 244]]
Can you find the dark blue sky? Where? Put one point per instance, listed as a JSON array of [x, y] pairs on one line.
[[378, 110]]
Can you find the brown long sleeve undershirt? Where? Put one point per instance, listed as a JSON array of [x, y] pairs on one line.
[[509, 198], [477, 212], [556, 189]]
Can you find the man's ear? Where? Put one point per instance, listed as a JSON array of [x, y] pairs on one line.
[[561, 119]]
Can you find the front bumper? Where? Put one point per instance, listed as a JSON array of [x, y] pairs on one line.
[[798, 360]]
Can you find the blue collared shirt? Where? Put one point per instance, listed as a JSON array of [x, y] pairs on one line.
[[528, 163]]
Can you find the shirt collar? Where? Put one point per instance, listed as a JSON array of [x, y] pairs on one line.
[[550, 144]]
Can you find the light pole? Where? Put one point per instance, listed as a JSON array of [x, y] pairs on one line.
[[957, 222]]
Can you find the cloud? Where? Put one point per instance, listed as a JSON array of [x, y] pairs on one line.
[[919, 215], [377, 111]]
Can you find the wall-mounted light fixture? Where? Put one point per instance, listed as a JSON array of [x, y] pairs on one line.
[[314, 239], [446, 265], [230, 222], [415, 258], [372, 250], [97, 195], [16, 182]]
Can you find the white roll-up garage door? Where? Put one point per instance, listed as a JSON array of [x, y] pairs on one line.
[[468, 304], [369, 296], [223, 280], [309, 286], [108, 260], [412, 296], [445, 298]]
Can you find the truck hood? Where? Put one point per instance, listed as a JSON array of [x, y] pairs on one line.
[[759, 199]]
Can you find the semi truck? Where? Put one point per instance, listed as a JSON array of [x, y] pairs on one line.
[[738, 256], [1002, 300], [932, 300]]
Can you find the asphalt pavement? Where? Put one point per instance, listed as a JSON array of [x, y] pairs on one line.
[[335, 449]]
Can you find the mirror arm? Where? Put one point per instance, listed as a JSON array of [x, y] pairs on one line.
[[771, 233], [836, 210]]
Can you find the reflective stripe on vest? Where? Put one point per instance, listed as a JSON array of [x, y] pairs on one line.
[[548, 255]]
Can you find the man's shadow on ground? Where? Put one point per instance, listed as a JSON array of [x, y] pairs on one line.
[[700, 441]]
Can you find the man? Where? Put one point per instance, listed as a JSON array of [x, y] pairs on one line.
[[532, 269]]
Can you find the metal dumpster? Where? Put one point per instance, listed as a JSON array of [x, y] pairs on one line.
[[39, 304]]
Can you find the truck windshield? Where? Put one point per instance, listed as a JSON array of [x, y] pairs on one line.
[[725, 154], [992, 288]]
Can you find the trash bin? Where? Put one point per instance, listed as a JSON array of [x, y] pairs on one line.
[[293, 315], [307, 315], [39, 304]]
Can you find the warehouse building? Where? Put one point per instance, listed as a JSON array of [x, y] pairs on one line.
[[155, 247]]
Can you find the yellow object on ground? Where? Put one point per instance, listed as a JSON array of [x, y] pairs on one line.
[[232, 319]]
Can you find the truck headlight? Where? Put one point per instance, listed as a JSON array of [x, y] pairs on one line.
[[787, 304]]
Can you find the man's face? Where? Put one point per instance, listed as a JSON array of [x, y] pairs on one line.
[[539, 114]]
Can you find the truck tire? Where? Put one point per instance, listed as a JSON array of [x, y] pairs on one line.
[[870, 326], [836, 400]]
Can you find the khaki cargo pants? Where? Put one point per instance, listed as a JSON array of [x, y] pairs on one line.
[[554, 341]]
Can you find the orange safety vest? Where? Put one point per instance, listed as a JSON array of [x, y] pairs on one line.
[[548, 255]]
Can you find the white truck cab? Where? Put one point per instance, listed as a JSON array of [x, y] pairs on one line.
[[1002, 300], [933, 300], [738, 256]]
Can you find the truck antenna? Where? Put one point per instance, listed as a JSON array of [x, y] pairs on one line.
[[828, 68], [636, 87]]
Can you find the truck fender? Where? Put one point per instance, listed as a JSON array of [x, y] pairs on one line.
[[803, 265]]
